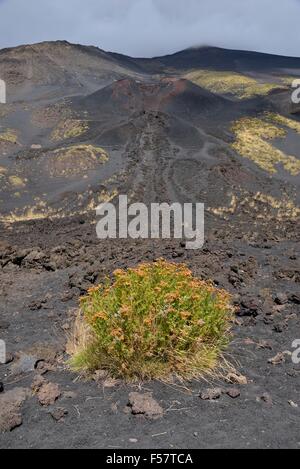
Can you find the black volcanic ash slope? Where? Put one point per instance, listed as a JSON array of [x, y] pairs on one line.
[[85, 125]]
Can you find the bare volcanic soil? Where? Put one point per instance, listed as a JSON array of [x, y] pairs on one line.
[[83, 126]]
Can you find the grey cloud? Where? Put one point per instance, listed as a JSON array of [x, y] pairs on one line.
[[155, 27]]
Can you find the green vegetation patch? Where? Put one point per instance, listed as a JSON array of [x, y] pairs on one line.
[[76, 159], [239, 85], [9, 136], [69, 128], [152, 321], [16, 181], [252, 141]]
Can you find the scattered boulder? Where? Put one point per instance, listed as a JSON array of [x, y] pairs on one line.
[[144, 404], [10, 408], [48, 394]]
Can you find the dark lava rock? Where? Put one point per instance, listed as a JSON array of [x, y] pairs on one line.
[[248, 308], [295, 298], [58, 414], [280, 327], [281, 299]]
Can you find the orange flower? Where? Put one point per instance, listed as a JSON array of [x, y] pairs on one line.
[[100, 315], [118, 272], [125, 310], [185, 314], [118, 334]]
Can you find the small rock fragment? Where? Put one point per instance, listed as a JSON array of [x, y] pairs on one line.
[[144, 404], [69, 395], [279, 358], [233, 393], [265, 344], [281, 299], [211, 394], [267, 398], [43, 367], [37, 383], [295, 298], [249, 308], [293, 404], [280, 327], [58, 414], [48, 394], [235, 378]]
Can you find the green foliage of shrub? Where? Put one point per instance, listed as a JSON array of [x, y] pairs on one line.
[[154, 321]]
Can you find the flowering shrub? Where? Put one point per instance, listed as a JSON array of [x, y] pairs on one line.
[[153, 321]]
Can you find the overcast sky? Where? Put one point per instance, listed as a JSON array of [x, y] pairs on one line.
[[155, 27]]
